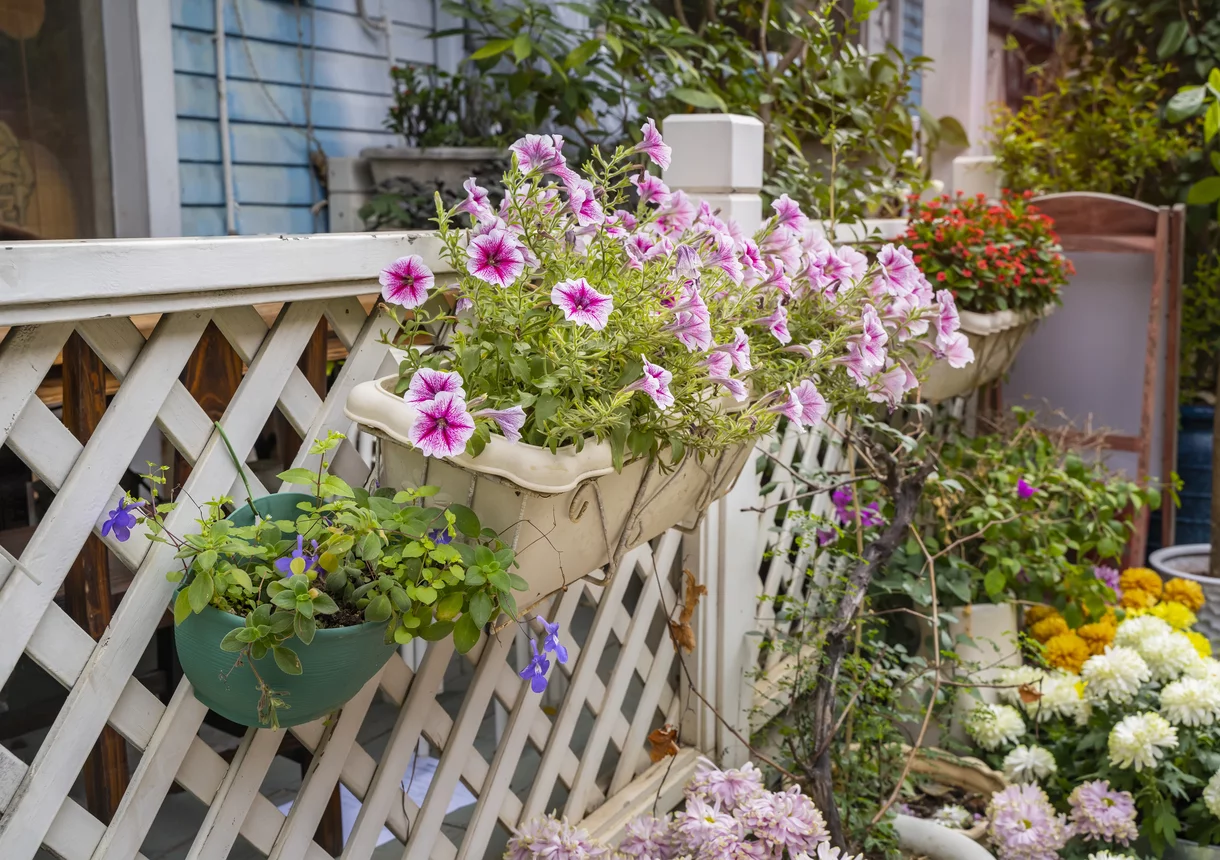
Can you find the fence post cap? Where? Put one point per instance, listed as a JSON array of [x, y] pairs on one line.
[[714, 152]]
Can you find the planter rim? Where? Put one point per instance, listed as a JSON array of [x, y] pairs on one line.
[[927, 838], [998, 321], [1162, 561], [531, 467], [323, 634], [419, 153]]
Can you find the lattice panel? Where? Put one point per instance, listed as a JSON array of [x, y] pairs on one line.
[[583, 742]]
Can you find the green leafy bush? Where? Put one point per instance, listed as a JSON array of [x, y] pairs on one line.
[[439, 109]]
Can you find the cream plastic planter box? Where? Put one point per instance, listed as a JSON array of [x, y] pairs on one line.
[[451, 165], [566, 514], [996, 339]]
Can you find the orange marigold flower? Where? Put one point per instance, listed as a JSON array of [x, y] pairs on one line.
[[1141, 579], [1186, 592], [1049, 628], [1067, 651], [1136, 598], [1034, 614], [1097, 636]]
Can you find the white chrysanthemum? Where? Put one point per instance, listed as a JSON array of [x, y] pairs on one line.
[[1011, 679], [826, 851], [1115, 675], [1191, 702], [994, 726], [1168, 655], [1140, 740], [1060, 698], [1110, 855], [1029, 764], [1211, 794], [1207, 668], [954, 816], [1133, 631]]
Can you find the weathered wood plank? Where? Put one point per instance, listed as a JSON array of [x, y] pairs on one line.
[[232, 801]]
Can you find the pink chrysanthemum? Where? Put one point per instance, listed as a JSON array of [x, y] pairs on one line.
[[496, 258], [582, 304], [406, 282], [702, 823], [653, 146], [442, 426], [1098, 812], [785, 820], [546, 838], [510, 421], [1024, 825], [426, 383], [648, 838], [728, 789], [654, 383]]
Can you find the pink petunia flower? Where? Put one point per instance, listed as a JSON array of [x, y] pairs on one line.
[[897, 273], [654, 383], [476, 205], [946, 322], [442, 426], [687, 261], [723, 256], [426, 383], [738, 350], [582, 200], [784, 245], [872, 338], [788, 215], [651, 189], [856, 262], [717, 363], [736, 388], [890, 386], [692, 330], [810, 350], [406, 282], [789, 406], [676, 213], [495, 257], [777, 323], [582, 304], [653, 146], [858, 364], [956, 350], [541, 152], [510, 421], [813, 404]]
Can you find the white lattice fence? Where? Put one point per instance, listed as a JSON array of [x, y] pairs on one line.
[[621, 683]]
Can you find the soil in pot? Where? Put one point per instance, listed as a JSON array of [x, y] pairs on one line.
[[339, 661]]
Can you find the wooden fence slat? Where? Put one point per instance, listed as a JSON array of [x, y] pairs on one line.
[[232, 801], [26, 355]]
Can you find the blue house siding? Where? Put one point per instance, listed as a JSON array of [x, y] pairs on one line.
[[275, 186], [912, 42]]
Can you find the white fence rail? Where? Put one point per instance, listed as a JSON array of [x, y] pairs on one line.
[[582, 749]]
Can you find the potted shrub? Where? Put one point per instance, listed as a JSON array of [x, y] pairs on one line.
[[1002, 262], [290, 604], [613, 351]]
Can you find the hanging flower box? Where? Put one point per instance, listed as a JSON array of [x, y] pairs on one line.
[[995, 339], [611, 351]]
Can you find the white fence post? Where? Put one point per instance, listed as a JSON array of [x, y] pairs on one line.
[[719, 158]]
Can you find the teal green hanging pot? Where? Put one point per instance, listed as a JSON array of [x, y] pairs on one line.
[[334, 666]]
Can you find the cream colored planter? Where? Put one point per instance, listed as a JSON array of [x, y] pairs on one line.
[[565, 513], [995, 338]]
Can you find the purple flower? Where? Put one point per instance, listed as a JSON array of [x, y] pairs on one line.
[[654, 383], [442, 426], [676, 213], [648, 838], [495, 257], [541, 152], [582, 200], [551, 644], [535, 671], [788, 215], [121, 521], [650, 188], [788, 406], [426, 383], [510, 421], [727, 789], [1101, 813], [692, 329], [653, 146], [777, 324], [826, 536], [476, 205], [687, 261], [440, 536], [284, 565], [582, 304], [785, 820], [406, 282], [897, 273], [1110, 577], [738, 351], [845, 512], [777, 280], [1024, 825], [701, 823], [545, 838], [723, 256], [1024, 490]]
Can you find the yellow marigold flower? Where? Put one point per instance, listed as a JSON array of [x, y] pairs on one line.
[[1178, 616], [1067, 651], [1185, 592], [1097, 636], [1048, 628], [1136, 599], [1034, 614], [1141, 579], [1201, 643]]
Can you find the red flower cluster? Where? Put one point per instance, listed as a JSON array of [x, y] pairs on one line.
[[992, 255]]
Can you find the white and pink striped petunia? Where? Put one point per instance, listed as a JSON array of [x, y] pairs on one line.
[[426, 383], [653, 146], [654, 383], [406, 282], [582, 304], [495, 257], [442, 426]]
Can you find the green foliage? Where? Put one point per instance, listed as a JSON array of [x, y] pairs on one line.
[[407, 204], [352, 557], [1094, 128], [440, 109], [998, 546], [1201, 322]]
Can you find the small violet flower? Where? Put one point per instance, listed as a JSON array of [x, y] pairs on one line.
[[535, 671], [442, 426], [582, 304], [1024, 490], [653, 146], [440, 536], [121, 521], [551, 644], [284, 565], [406, 282]]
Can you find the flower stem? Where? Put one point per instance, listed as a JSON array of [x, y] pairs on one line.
[[240, 468]]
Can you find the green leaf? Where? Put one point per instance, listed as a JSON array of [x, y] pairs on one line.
[[1171, 40], [466, 634], [200, 591], [206, 559], [449, 606], [324, 604], [699, 98], [518, 583], [523, 46], [1185, 103], [481, 608], [370, 547], [438, 631], [1204, 191], [232, 641], [304, 477], [618, 446], [952, 133], [466, 520], [305, 628], [378, 609], [500, 580], [182, 607], [994, 583], [333, 485], [492, 49], [1211, 121], [580, 55], [287, 660]]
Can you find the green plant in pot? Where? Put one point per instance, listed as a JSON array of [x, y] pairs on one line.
[[290, 604]]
